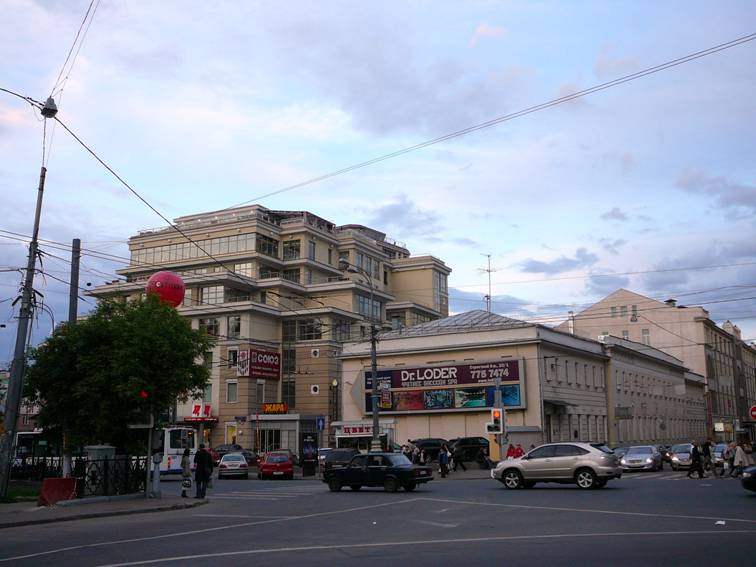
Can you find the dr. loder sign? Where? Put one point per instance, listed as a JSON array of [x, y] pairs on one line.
[[448, 375], [259, 364]]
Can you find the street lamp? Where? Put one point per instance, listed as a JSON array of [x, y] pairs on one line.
[[375, 443]]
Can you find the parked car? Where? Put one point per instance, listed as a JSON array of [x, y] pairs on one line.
[[276, 464], [589, 465], [717, 458], [338, 458], [681, 456], [233, 464], [620, 451], [389, 470], [748, 480], [470, 447], [665, 451], [250, 456], [642, 457], [431, 446], [221, 450], [214, 456]]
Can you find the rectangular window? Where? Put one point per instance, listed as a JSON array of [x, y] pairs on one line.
[[623, 311], [212, 295], [626, 335], [267, 246], [207, 393], [263, 297], [291, 249], [330, 256], [344, 255], [309, 329], [291, 275], [289, 360], [645, 336], [246, 269], [234, 327], [310, 249], [207, 360], [359, 260], [289, 331], [232, 387], [440, 292], [210, 326], [614, 311], [634, 310], [308, 276], [260, 391], [289, 393], [385, 277], [232, 357]]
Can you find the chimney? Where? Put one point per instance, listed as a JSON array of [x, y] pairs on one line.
[[571, 323], [671, 302]]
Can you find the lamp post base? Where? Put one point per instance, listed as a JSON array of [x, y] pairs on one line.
[[375, 445]]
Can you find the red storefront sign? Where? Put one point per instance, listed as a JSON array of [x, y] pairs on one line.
[[201, 412], [257, 363], [356, 430], [275, 407], [448, 375]]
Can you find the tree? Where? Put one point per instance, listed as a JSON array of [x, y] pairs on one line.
[[90, 378]]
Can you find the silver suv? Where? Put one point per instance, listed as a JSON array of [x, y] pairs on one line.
[[589, 465]]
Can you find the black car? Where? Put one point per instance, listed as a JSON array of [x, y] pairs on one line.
[[431, 446], [338, 458], [469, 447], [249, 456], [748, 480], [389, 470]]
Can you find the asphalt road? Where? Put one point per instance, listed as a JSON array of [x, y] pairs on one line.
[[656, 519]]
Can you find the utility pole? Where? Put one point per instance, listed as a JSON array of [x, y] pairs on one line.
[[501, 438], [73, 307], [488, 298], [16, 384]]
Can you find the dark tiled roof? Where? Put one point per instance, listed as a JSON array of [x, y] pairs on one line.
[[477, 320]]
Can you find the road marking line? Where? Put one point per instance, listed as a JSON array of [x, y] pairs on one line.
[[587, 510], [238, 516], [422, 542], [207, 530], [437, 524]]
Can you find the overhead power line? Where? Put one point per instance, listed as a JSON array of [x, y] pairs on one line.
[[513, 115]]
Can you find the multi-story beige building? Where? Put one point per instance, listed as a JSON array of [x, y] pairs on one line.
[[688, 334], [556, 386], [270, 284]]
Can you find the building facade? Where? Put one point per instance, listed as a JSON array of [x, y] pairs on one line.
[[687, 333], [439, 379], [270, 288]]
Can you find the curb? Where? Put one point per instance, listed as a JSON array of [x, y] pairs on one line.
[[90, 515]]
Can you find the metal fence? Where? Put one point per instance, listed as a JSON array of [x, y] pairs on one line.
[[121, 474]]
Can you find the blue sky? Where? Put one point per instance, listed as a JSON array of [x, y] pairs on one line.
[[204, 105]]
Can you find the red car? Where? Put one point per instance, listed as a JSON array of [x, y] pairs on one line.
[[276, 465]]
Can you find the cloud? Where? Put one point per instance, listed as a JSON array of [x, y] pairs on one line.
[[485, 31], [735, 197], [461, 301], [614, 214], [605, 284], [607, 67], [612, 245], [404, 218], [582, 259]]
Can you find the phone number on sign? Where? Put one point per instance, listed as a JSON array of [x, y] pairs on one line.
[[486, 373]]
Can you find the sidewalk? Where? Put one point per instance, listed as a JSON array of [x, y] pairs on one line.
[[28, 513]]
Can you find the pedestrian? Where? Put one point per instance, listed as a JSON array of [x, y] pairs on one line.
[[519, 451], [510, 452], [424, 459], [695, 461], [186, 473], [483, 460], [748, 450], [459, 455], [706, 453], [203, 470], [739, 461], [731, 457], [443, 460], [416, 455]]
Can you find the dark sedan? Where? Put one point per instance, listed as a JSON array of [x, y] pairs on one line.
[[749, 478], [389, 470]]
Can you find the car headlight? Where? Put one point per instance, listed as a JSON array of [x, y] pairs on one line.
[[622, 460], [747, 475], [649, 460], [675, 458]]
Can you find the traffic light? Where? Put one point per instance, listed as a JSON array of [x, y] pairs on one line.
[[496, 425]]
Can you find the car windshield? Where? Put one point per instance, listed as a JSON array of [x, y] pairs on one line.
[[277, 458], [399, 460], [683, 448], [640, 451], [601, 447], [228, 458]]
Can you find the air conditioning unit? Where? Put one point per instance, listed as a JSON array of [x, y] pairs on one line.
[[314, 389], [315, 353], [601, 338]]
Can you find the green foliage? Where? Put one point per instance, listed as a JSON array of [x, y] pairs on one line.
[[87, 378]]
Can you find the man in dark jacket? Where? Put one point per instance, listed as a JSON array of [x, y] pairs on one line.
[[695, 462], [458, 455], [203, 463]]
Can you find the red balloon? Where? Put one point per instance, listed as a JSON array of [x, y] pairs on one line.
[[167, 286]]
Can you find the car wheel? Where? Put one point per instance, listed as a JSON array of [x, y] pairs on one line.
[[390, 485], [585, 478], [410, 487], [355, 487], [334, 485], [512, 479]]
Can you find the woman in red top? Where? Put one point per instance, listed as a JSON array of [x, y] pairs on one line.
[[518, 452], [510, 452]]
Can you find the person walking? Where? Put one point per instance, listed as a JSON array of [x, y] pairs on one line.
[[739, 461], [459, 454], [706, 453], [695, 461], [203, 470], [443, 460], [186, 473]]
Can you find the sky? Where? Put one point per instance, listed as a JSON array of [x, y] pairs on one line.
[[649, 185]]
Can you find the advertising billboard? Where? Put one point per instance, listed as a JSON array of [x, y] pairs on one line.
[[257, 363]]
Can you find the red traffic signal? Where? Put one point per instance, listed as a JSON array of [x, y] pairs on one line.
[[144, 394], [496, 425]]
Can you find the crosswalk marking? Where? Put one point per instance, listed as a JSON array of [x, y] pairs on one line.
[[673, 475], [270, 493]]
